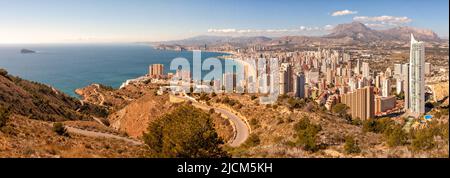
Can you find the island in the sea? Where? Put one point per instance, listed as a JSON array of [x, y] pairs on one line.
[[27, 51]]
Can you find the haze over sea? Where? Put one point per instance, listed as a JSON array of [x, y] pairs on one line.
[[71, 66]]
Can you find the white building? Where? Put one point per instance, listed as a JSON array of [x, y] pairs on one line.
[[417, 77], [365, 70]]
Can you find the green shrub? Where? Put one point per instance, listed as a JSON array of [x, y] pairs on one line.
[[340, 109], [307, 134], [295, 103], [60, 129], [377, 125], [395, 136], [351, 146], [356, 121], [252, 141], [422, 139], [186, 132]]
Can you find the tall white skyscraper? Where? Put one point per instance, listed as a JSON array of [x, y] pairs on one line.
[[417, 77], [365, 70]]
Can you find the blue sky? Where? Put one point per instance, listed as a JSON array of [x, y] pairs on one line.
[[30, 21]]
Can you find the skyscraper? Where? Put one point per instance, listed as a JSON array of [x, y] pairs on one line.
[[361, 103], [417, 77], [365, 70], [299, 86], [285, 78], [156, 70], [229, 82]]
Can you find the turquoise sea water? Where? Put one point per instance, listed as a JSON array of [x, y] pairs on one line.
[[68, 67]]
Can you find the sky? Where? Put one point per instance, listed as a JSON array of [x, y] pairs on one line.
[[83, 21]]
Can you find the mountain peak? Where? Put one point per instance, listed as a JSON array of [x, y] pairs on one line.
[[356, 31]]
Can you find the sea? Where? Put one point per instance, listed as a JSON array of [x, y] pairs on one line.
[[71, 66]]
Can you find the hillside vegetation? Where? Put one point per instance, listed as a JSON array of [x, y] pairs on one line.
[[41, 102]]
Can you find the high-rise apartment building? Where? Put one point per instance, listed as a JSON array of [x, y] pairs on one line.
[[365, 70], [299, 85], [417, 77], [361, 102], [156, 70]]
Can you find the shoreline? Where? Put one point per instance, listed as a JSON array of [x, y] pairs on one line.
[[146, 77]]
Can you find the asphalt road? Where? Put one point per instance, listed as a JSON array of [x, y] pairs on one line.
[[241, 129]]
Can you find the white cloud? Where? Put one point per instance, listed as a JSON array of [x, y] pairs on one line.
[[385, 20], [343, 12]]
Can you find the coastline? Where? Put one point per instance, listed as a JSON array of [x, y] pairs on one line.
[[146, 77]]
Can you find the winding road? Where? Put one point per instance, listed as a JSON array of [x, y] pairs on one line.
[[240, 127], [242, 131]]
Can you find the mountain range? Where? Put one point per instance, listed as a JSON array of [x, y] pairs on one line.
[[349, 33]]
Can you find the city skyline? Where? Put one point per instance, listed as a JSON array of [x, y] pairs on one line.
[[115, 21]]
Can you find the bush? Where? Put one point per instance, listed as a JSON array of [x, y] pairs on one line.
[[393, 133], [395, 136], [60, 129], [377, 125], [252, 141], [186, 132], [340, 109], [204, 97], [306, 134], [254, 123], [351, 146], [422, 139], [230, 102], [108, 88], [4, 116], [356, 121], [295, 103]]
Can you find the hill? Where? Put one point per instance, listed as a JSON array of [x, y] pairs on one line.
[[42, 102]]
